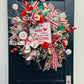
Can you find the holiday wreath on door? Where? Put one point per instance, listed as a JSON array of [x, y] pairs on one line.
[[40, 32]]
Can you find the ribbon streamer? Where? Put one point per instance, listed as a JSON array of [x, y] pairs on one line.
[[15, 49], [63, 21], [53, 12], [69, 29], [35, 5], [54, 23], [55, 61]]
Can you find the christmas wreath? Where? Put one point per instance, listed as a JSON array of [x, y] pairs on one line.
[[39, 33]]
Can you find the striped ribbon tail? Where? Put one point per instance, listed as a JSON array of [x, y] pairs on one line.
[[55, 61], [69, 29], [15, 49], [25, 2], [13, 27], [63, 21], [53, 12], [12, 37], [35, 5], [53, 23], [25, 7]]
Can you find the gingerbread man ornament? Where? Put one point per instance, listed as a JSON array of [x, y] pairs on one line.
[[27, 41]]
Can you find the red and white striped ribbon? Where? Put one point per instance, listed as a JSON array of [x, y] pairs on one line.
[[64, 44], [30, 19], [55, 44], [13, 27], [53, 23], [69, 29], [15, 49], [35, 5], [53, 12], [25, 2], [55, 61], [63, 21], [12, 37], [25, 7]]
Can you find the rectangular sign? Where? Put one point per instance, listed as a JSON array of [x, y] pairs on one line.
[[43, 33]]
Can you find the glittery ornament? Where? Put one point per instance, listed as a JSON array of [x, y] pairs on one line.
[[15, 6]]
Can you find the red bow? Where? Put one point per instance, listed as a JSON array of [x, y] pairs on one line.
[[23, 13]]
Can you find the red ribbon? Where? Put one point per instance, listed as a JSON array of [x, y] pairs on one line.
[[26, 6], [64, 45]]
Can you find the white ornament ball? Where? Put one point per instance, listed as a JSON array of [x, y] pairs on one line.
[[15, 6], [60, 65], [68, 51], [11, 42]]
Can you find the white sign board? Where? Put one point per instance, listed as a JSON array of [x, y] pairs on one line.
[[43, 33]]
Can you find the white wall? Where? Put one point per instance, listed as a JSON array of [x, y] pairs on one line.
[[3, 43], [78, 43]]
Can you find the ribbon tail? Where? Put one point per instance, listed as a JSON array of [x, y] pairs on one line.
[[55, 61]]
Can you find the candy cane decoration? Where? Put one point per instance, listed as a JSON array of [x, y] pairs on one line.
[[69, 29], [15, 49]]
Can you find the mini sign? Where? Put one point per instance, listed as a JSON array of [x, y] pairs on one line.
[[43, 33]]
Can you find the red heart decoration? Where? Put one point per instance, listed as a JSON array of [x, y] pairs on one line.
[[45, 29]]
